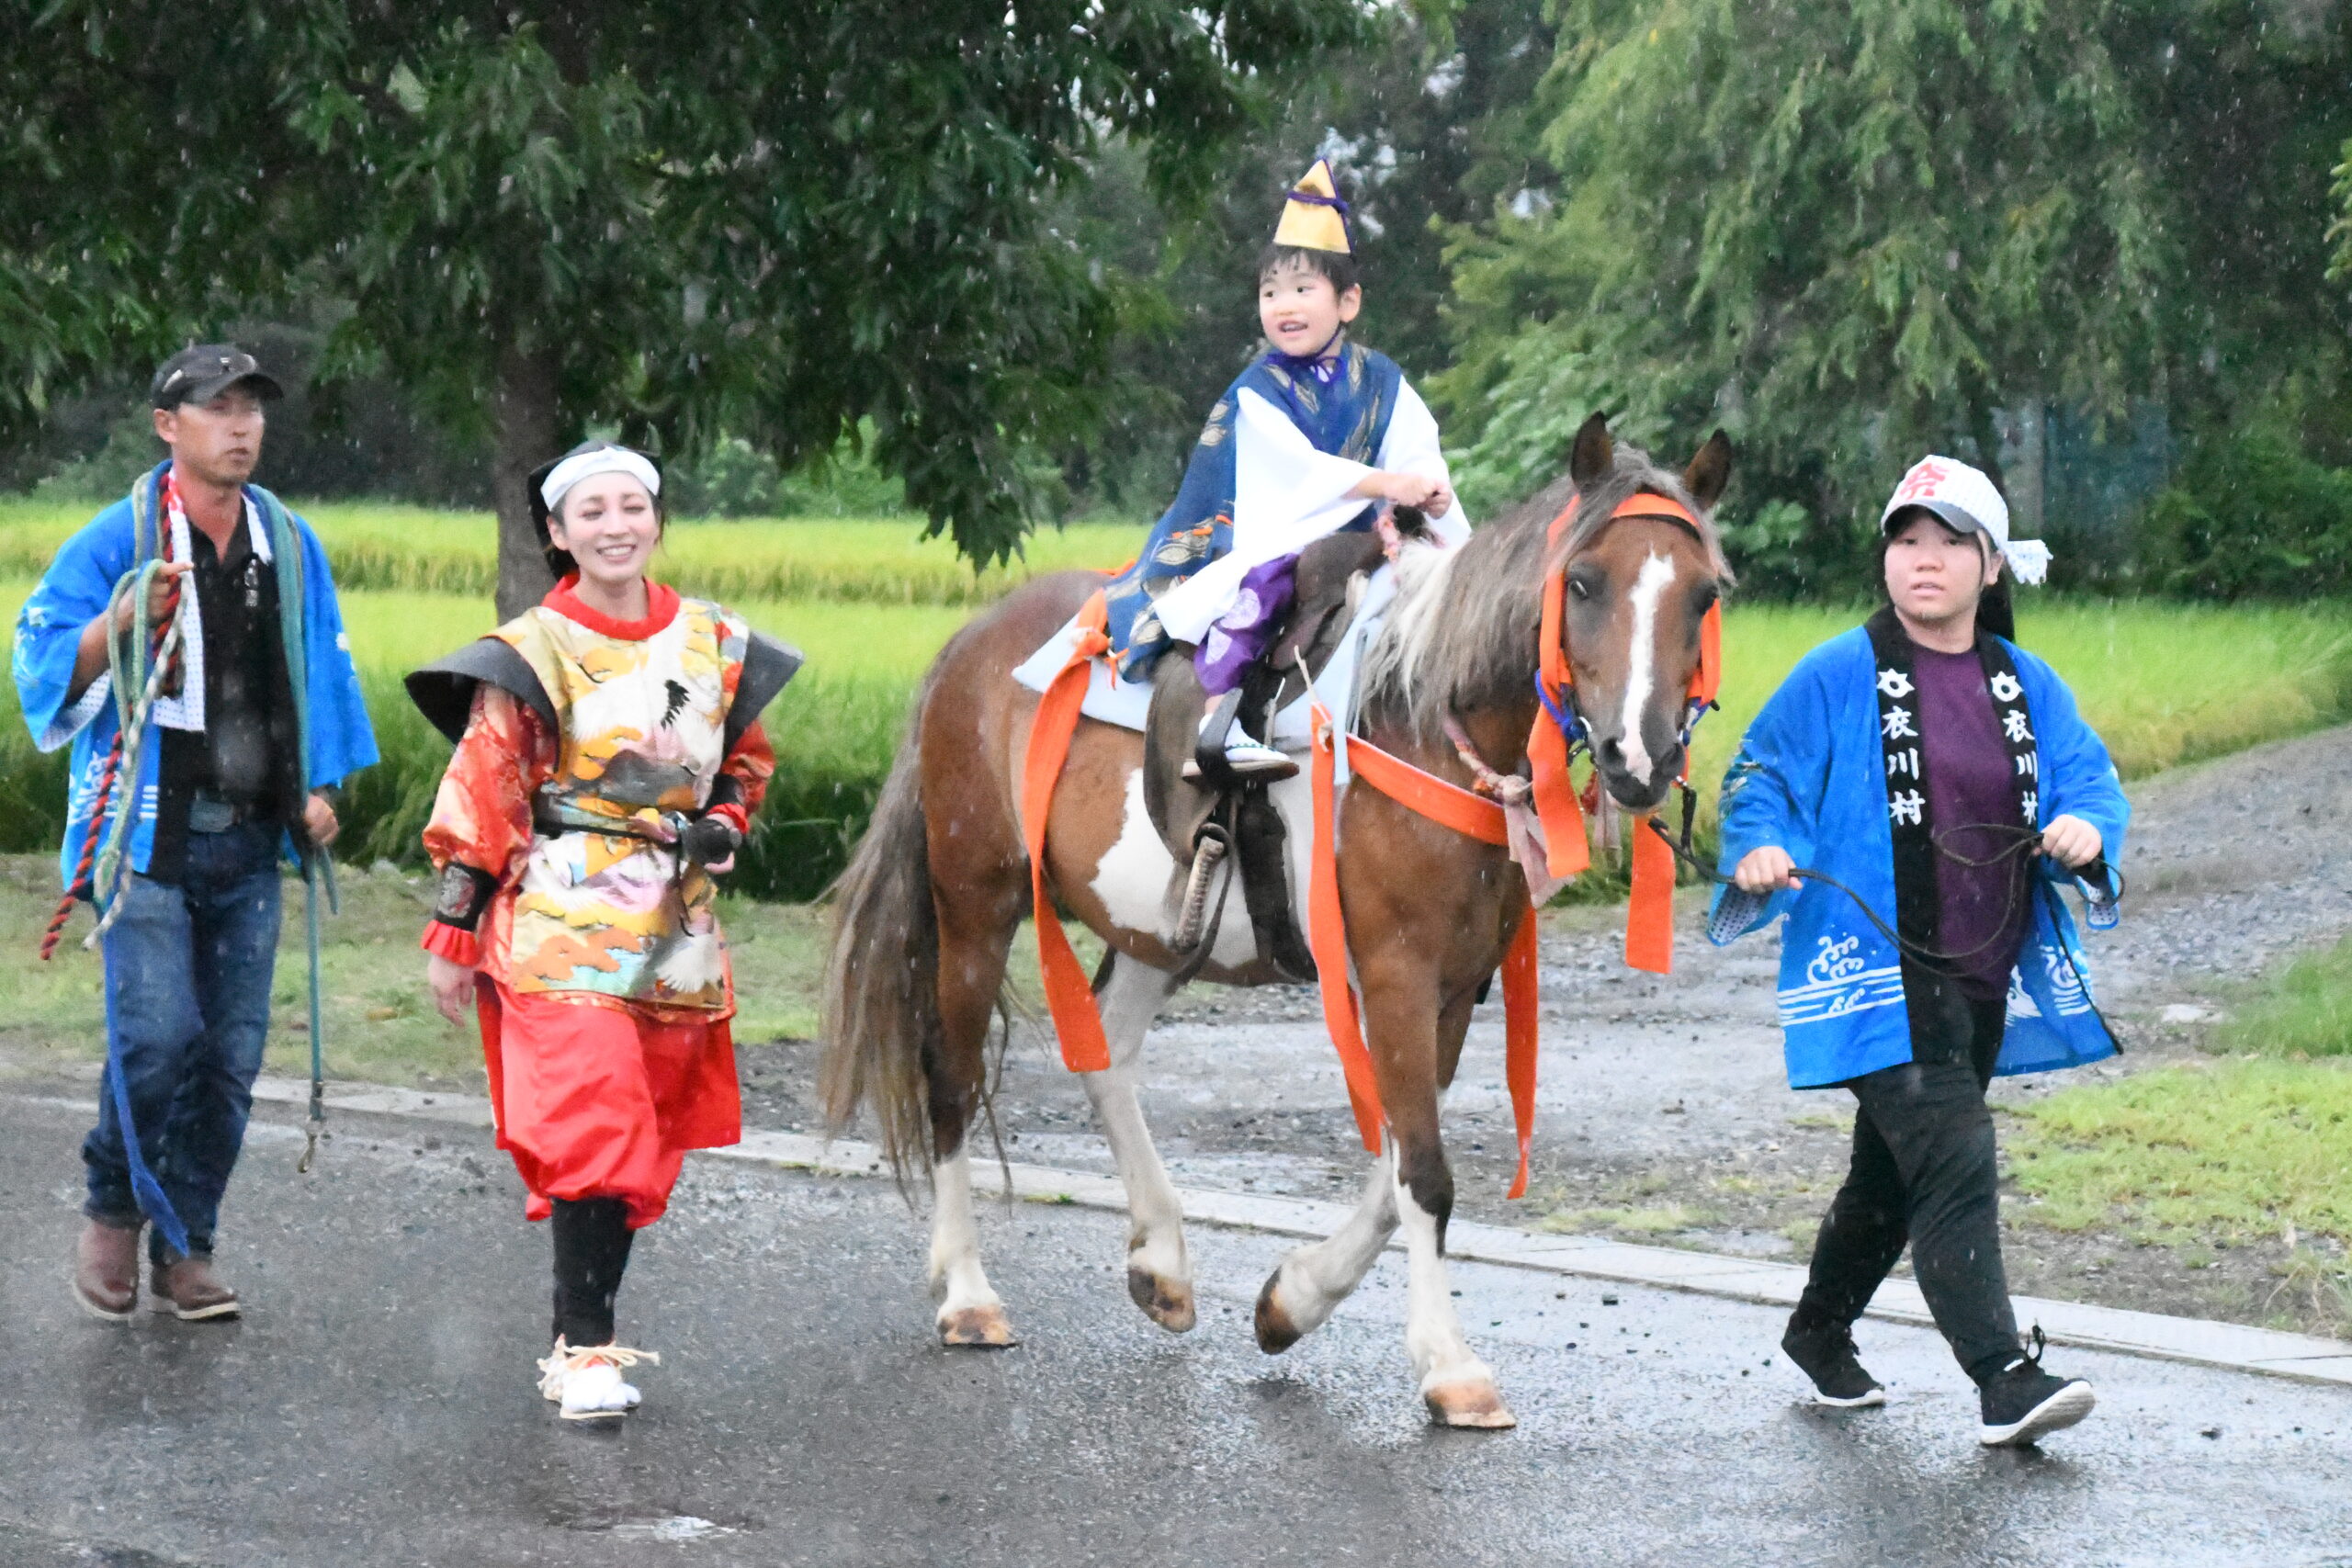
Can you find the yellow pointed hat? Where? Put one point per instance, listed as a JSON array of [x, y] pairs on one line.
[[1313, 218]]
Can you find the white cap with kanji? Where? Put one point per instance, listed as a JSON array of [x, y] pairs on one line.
[[1966, 500]]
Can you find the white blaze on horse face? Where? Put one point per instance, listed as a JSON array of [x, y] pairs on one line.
[[1640, 671]]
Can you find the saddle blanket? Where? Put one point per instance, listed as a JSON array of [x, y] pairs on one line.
[[1126, 703]]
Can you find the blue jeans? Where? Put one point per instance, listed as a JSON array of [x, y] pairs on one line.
[[188, 972]]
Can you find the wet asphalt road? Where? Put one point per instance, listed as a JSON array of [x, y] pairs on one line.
[[377, 1406]]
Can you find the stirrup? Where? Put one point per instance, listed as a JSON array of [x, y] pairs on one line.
[[1193, 918], [1226, 753]]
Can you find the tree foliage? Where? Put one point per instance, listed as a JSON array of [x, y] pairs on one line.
[[1853, 233], [1423, 122], [779, 218]]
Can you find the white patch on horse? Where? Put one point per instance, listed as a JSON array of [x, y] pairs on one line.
[[1137, 881], [1641, 675]]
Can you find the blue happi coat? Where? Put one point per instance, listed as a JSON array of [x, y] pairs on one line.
[[1811, 777], [1347, 416], [337, 739]]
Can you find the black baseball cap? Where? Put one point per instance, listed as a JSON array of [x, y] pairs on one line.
[[201, 373]]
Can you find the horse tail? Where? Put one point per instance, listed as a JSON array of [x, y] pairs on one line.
[[881, 1002]]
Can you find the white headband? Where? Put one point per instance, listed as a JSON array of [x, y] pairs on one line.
[[588, 464]]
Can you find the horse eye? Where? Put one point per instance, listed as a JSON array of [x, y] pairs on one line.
[[1577, 587]]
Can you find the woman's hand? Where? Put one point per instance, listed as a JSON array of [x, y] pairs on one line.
[[1767, 870], [318, 820], [453, 987], [2072, 842]]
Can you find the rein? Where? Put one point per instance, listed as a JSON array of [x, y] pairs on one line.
[[2024, 839]]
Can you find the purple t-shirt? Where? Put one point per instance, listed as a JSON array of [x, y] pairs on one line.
[[1980, 910]]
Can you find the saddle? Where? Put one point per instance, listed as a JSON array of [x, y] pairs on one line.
[[1218, 815]]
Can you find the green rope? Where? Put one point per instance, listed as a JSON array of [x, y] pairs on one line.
[[136, 666]]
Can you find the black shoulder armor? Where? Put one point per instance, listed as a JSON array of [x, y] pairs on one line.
[[444, 692]]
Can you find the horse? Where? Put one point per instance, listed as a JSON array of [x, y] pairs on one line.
[[927, 908]]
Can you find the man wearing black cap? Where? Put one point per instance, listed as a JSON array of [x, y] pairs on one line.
[[175, 827]]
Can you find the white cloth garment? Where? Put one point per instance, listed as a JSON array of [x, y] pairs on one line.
[[183, 709], [1287, 495]]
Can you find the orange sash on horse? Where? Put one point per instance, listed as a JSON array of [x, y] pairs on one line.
[[1649, 917], [1650, 928], [1078, 1024]]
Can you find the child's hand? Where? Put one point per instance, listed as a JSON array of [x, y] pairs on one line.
[[1434, 497]]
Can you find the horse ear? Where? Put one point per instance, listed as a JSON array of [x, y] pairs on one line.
[[1593, 457], [1709, 471]]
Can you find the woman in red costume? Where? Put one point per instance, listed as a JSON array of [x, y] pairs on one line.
[[608, 758]]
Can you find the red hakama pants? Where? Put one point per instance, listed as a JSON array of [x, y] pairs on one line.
[[597, 1101]]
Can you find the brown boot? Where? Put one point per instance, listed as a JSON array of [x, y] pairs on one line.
[[190, 1291], [106, 1271]]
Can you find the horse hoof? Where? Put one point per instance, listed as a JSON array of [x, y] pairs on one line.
[[980, 1327], [1168, 1303], [1469, 1402], [1276, 1332]]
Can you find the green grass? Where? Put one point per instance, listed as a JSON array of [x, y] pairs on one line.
[[2162, 683], [2240, 1149], [834, 731], [871, 602], [380, 1026], [412, 549], [1663, 1221], [2304, 1011]]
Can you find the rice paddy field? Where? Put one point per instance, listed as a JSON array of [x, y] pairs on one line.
[[871, 602]]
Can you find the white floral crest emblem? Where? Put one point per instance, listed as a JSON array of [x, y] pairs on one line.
[[1895, 683], [2006, 688]]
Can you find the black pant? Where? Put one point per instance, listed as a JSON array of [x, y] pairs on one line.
[[1924, 1172], [592, 1242]]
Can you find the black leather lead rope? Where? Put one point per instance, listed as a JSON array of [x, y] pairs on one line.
[[2027, 839]]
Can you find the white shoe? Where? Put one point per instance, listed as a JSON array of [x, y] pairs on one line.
[[586, 1381], [1252, 760], [1245, 756]]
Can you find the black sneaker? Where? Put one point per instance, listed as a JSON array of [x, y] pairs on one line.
[[1825, 1354], [2022, 1402]]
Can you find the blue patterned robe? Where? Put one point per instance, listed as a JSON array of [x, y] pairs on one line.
[[1347, 417]]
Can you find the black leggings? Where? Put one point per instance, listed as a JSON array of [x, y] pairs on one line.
[[592, 1242], [1925, 1172]]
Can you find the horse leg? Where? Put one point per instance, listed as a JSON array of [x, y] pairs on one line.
[[1407, 1029], [971, 966], [1301, 1293], [1159, 1273]]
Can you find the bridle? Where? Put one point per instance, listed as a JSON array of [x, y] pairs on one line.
[[1560, 731]]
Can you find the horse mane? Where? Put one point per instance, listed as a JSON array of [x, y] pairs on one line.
[[1461, 634]]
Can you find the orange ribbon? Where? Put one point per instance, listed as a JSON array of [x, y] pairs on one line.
[[1520, 1028], [1649, 917], [1326, 938], [1078, 1024], [1449, 806]]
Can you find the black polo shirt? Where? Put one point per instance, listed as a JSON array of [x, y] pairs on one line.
[[247, 755]]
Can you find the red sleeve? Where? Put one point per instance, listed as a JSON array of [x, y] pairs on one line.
[[482, 813], [751, 765]]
